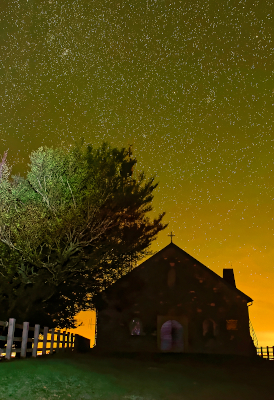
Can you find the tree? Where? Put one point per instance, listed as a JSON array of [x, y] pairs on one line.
[[70, 229]]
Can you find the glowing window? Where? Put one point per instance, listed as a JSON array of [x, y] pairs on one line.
[[136, 327], [231, 324]]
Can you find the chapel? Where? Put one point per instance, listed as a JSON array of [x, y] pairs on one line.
[[173, 303]]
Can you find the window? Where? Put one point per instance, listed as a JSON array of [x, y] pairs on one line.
[[231, 324], [171, 278], [210, 328], [136, 327]]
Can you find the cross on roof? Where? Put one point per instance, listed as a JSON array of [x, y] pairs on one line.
[[171, 236]]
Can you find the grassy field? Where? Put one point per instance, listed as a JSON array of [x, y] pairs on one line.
[[136, 377]]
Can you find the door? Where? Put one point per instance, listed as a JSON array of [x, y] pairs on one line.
[[172, 336]]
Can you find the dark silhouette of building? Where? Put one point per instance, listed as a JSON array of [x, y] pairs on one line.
[[173, 303]]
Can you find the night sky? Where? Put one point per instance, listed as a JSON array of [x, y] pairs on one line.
[[189, 83]]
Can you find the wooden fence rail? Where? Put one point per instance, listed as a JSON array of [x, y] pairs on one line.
[[69, 340], [265, 352]]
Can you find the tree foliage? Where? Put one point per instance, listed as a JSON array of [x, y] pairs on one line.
[[71, 228]]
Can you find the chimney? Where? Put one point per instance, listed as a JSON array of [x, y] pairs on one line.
[[228, 275]]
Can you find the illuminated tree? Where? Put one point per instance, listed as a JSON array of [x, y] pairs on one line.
[[72, 227]]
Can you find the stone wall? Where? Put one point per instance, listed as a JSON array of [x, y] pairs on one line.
[[182, 289]]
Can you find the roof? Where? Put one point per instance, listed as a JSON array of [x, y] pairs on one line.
[[178, 250]]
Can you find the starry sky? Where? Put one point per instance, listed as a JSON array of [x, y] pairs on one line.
[[189, 83]]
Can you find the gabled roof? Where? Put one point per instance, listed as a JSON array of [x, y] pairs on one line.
[[214, 275], [181, 252]]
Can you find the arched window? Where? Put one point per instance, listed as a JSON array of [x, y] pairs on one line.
[[136, 327], [210, 328]]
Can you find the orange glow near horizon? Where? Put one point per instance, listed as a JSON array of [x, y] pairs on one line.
[[259, 288], [190, 85]]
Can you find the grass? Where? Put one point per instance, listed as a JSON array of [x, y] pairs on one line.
[[136, 377]]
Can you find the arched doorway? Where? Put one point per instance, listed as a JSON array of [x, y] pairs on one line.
[[172, 336]]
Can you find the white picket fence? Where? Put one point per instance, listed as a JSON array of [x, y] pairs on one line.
[[67, 342]]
